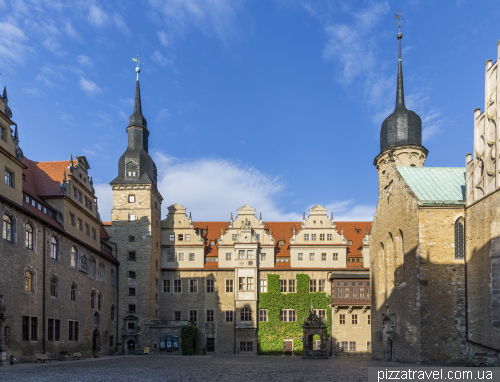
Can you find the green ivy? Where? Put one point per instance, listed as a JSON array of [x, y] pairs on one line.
[[272, 332], [188, 339]]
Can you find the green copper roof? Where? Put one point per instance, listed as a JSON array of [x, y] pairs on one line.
[[436, 185]]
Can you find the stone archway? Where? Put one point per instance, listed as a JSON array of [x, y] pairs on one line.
[[312, 326], [96, 341], [388, 326]]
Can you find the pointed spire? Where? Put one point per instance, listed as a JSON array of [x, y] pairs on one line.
[[332, 217], [260, 216], [342, 231], [5, 93], [16, 137], [366, 231], [231, 216], [189, 215], [91, 180], [64, 175], [71, 160], [137, 119], [304, 216], [221, 231], [400, 95]]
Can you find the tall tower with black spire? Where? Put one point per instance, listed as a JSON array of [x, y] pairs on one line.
[[401, 132], [136, 229]]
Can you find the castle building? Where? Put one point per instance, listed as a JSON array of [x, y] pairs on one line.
[[59, 287], [431, 251]]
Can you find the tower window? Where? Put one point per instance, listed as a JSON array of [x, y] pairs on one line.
[[131, 198], [131, 170]]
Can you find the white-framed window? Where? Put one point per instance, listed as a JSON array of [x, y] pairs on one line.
[[241, 254], [193, 286], [166, 286], [288, 315], [188, 237], [335, 256], [329, 236], [9, 178], [323, 257], [131, 198], [28, 241], [322, 286], [306, 237], [301, 257], [242, 283], [171, 237], [228, 257], [54, 248], [263, 286], [131, 217], [191, 257], [180, 256], [291, 286], [312, 257], [282, 286], [263, 257], [313, 237], [250, 254]]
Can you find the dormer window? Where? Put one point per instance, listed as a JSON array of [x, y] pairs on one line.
[[131, 170]]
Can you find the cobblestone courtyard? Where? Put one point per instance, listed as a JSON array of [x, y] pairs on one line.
[[196, 368]]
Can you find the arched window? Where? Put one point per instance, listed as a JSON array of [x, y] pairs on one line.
[[54, 253], [7, 228], [101, 272], [74, 256], [28, 281], [113, 277], [73, 292], [29, 236], [92, 300], [99, 301], [96, 319], [246, 314], [92, 266], [54, 287], [459, 239], [113, 312]]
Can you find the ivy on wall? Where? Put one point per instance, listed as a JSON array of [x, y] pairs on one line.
[[188, 339], [271, 333]]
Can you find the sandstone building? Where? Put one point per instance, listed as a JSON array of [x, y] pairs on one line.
[[432, 252]]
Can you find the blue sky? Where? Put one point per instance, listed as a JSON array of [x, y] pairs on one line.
[[276, 104]]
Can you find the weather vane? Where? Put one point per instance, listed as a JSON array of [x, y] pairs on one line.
[[137, 69], [400, 35]]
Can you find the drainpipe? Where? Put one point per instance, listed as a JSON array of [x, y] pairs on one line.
[[43, 294]]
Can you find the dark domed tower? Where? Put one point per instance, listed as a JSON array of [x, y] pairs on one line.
[[401, 132]]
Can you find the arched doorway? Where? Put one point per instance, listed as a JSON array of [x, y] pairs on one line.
[[96, 341], [131, 347]]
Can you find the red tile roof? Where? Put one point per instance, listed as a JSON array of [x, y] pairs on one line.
[[350, 228]]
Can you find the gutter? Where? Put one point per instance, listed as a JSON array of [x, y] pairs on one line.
[[43, 293]]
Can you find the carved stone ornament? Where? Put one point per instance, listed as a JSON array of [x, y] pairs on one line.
[[83, 263], [63, 189]]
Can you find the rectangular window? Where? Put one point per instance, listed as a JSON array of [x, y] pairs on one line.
[[321, 313], [94, 236], [288, 315], [329, 236], [291, 286], [234, 237], [70, 331], [131, 308], [323, 257], [166, 286], [172, 237], [25, 328], [344, 346], [322, 237], [369, 319], [341, 319], [131, 274], [210, 316], [193, 286], [79, 196], [322, 286], [352, 346], [241, 254], [188, 237], [80, 224], [57, 330], [283, 286], [346, 292], [312, 286], [263, 315], [131, 255], [177, 286], [354, 319], [229, 316], [313, 237], [229, 286], [131, 198], [170, 257], [361, 292], [181, 257], [311, 256], [72, 219], [335, 256], [3, 137], [193, 316], [191, 257], [111, 341], [180, 237], [306, 237], [131, 217], [368, 345], [228, 257], [257, 236], [131, 291], [210, 286], [354, 293], [263, 286], [87, 230], [249, 283], [50, 330], [34, 329], [177, 315], [77, 331], [9, 178], [263, 257], [301, 257], [241, 283], [250, 255]]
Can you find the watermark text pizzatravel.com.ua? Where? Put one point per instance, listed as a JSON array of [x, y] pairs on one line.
[[423, 374]]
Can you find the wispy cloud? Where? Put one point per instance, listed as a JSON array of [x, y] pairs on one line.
[[12, 44], [161, 59], [89, 86], [84, 60], [97, 16], [120, 24], [164, 113], [348, 210]]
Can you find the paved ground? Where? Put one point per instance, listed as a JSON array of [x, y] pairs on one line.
[[196, 368]]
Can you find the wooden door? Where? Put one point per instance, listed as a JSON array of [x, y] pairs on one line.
[[288, 347]]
